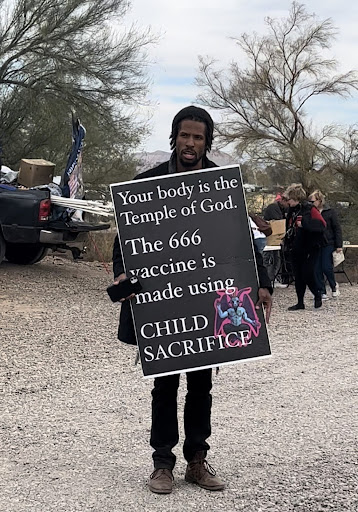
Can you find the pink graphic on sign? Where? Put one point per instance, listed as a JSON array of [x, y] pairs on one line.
[[235, 317]]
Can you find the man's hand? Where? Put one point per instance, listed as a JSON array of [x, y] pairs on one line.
[[265, 300], [339, 249], [120, 278], [117, 280]]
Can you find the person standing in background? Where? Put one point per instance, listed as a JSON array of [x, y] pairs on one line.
[[259, 237], [260, 229], [304, 234], [333, 242], [272, 259], [278, 209]]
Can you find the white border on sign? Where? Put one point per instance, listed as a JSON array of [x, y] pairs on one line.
[[248, 360], [186, 173]]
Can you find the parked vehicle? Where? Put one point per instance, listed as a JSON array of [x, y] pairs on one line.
[[28, 228]]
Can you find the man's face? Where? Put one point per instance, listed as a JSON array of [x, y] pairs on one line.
[[283, 201], [316, 202], [190, 143]]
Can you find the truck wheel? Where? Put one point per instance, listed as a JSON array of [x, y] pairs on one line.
[[25, 254], [2, 247]]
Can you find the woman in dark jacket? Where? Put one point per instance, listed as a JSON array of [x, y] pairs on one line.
[[332, 242], [304, 235]]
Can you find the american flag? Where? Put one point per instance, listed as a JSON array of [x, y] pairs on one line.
[[72, 182]]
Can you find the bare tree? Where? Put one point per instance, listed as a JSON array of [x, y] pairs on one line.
[[264, 105], [343, 162], [57, 56]]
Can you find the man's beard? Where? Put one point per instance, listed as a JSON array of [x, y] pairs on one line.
[[190, 164]]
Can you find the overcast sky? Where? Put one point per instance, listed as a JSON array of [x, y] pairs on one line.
[[205, 27]]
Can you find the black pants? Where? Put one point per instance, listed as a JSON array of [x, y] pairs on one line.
[[197, 412], [304, 267]]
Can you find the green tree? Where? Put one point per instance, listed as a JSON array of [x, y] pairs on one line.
[[61, 56], [264, 105]]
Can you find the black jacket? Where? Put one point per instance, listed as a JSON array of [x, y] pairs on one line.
[[333, 231], [126, 328], [308, 237], [274, 211]]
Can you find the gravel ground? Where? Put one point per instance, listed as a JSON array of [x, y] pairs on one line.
[[75, 415]]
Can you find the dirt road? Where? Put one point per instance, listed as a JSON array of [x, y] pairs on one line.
[[75, 411]]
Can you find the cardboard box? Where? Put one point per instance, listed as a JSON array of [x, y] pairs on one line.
[[278, 232], [34, 172]]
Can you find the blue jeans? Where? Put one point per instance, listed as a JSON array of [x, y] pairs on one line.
[[260, 244], [324, 267]]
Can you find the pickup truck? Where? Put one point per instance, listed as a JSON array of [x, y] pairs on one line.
[[28, 230]]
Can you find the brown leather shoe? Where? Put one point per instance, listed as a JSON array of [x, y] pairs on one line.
[[201, 473], [161, 481]]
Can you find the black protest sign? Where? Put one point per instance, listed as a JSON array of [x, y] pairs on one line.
[[186, 236]]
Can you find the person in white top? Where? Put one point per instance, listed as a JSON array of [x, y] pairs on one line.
[[259, 237]]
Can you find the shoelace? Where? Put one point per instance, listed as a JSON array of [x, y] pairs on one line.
[[207, 466]]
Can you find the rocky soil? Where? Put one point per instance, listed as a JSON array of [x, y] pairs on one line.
[[75, 411]]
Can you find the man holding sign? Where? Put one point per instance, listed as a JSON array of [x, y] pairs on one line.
[[191, 137]]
